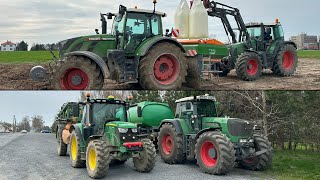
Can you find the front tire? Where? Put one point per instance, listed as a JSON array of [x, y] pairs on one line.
[[76, 73], [170, 145], [263, 161], [249, 66], [286, 61], [215, 153], [163, 67], [147, 159], [97, 159], [75, 151]]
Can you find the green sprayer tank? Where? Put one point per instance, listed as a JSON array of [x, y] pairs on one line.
[[152, 113]]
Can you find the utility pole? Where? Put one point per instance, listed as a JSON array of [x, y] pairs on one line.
[[14, 124], [264, 116]]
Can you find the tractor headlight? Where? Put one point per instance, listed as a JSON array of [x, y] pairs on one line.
[[134, 130], [243, 140], [123, 130], [251, 140]]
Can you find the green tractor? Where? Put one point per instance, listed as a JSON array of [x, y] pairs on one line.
[[196, 133], [254, 46], [100, 138], [136, 51]]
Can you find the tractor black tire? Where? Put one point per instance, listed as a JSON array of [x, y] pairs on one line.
[[98, 166], [224, 157], [175, 155], [92, 77], [75, 154], [286, 61], [147, 161], [249, 60], [193, 79], [62, 148], [263, 161], [148, 65], [224, 73], [117, 162]]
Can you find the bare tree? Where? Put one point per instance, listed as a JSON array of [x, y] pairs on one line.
[[37, 123]]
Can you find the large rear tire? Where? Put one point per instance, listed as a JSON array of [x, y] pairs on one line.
[[76, 73], [146, 162], [249, 66], [163, 67], [286, 61], [62, 147], [75, 151], [193, 79], [97, 159], [215, 153], [170, 145], [263, 161]]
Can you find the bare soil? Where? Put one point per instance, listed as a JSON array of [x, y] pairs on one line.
[[307, 77]]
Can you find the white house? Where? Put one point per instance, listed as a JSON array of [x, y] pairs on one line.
[[2, 128], [8, 46]]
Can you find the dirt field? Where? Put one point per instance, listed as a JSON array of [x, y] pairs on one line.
[[307, 77]]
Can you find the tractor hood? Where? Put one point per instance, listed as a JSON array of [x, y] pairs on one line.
[[234, 128], [120, 124], [98, 44]]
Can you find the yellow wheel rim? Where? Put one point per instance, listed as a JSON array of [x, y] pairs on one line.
[[92, 159], [74, 148]]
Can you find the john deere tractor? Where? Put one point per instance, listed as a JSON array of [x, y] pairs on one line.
[[195, 132], [136, 51], [100, 138], [253, 46]]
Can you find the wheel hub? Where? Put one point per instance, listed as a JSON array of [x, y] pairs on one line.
[[167, 144], [166, 69], [76, 80], [287, 61], [208, 153], [252, 67]]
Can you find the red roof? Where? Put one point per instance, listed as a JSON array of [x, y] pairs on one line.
[[8, 43]]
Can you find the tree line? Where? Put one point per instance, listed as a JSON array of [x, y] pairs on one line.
[[23, 46], [35, 123]]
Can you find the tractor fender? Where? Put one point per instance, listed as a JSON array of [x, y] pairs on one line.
[[263, 56], [205, 130], [176, 124], [94, 57], [93, 137], [291, 43], [143, 49], [76, 128]]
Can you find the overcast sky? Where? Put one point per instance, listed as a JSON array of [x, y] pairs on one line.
[[30, 103], [51, 21]]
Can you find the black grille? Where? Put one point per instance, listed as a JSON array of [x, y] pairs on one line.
[[239, 127], [128, 137]]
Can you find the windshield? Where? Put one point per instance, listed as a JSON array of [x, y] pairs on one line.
[[206, 108], [102, 112], [254, 32]]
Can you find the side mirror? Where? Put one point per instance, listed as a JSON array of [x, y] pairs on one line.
[[139, 111], [75, 110], [110, 15]]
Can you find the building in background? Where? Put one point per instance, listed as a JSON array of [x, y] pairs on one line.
[[2, 128], [8, 46], [306, 42]]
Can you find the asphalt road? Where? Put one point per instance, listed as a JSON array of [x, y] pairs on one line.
[[33, 156]]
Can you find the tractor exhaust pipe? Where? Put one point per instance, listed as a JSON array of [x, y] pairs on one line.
[[104, 23]]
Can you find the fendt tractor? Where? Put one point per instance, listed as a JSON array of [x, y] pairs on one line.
[[253, 46], [98, 138], [195, 132]]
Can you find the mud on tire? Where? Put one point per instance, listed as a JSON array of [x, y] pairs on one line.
[[286, 61], [163, 67], [98, 166], [147, 162], [193, 79], [215, 153], [87, 71], [170, 145], [263, 161], [249, 66]]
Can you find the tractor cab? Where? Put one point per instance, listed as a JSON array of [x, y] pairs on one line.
[[265, 36], [132, 26], [97, 113], [195, 109]]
